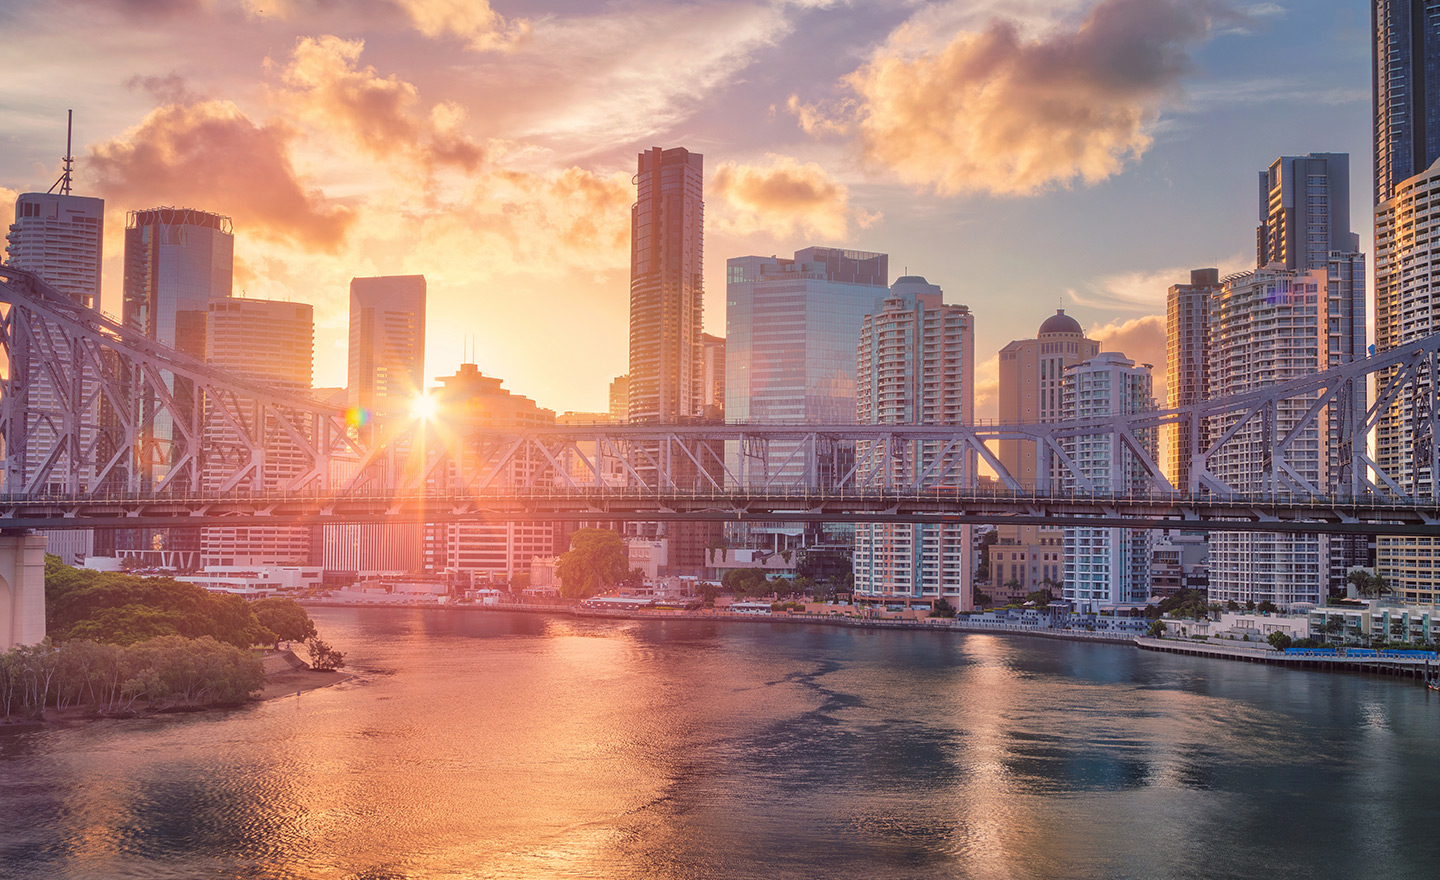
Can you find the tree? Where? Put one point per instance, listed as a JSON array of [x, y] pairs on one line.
[[324, 657], [981, 599], [745, 581], [1267, 607], [1157, 629], [942, 608], [1232, 605], [597, 559], [285, 619], [1042, 597], [1359, 578], [1278, 640]]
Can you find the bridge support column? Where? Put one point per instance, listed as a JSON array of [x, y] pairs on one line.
[[22, 589]]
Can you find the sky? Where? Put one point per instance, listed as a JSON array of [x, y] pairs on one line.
[[1025, 155]]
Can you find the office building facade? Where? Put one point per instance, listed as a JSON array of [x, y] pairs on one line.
[[176, 261], [387, 344], [666, 287], [273, 343], [791, 327], [1107, 568], [915, 365], [60, 237]]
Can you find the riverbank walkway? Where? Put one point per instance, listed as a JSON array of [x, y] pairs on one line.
[[1372, 662]]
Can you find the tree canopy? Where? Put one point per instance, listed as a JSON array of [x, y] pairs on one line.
[[125, 609], [597, 558], [285, 618]]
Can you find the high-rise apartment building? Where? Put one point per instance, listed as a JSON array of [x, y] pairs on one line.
[[1407, 279], [59, 237], [1304, 212], [1187, 314], [1028, 558], [1406, 90], [666, 287], [176, 261], [1107, 568], [387, 344], [915, 365], [1270, 326], [467, 402], [1305, 225], [273, 343], [1406, 82]]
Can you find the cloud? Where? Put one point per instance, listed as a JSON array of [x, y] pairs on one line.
[[473, 21], [784, 198], [382, 115], [1015, 112], [1140, 339], [1146, 290], [987, 388], [210, 155]]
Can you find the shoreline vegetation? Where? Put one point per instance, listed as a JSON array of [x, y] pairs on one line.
[[122, 646]]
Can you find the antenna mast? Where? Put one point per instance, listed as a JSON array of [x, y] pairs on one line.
[[64, 181]]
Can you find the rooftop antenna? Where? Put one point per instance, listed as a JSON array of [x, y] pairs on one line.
[[64, 181]]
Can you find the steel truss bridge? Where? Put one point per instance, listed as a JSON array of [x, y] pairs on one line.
[[102, 427]]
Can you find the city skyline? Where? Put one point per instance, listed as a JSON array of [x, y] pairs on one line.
[[424, 189]]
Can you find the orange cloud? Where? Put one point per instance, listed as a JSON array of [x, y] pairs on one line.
[[210, 155], [473, 21], [999, 112], [1143, 341], [383, 115], [783, 198]]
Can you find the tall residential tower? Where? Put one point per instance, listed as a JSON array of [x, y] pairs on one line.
[[915, 365]]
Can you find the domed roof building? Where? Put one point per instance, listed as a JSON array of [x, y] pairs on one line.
[[1060, 323]]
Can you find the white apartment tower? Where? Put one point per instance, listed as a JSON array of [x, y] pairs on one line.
[[273, 343], [1270, 326], [915, 365], [1108, 567]]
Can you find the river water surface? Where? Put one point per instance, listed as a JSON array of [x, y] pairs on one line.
[[492, 745]]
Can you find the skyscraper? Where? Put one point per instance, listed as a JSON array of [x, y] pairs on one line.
[[1305, 212], [1407, 258], [1406, 83], [1267, 327], [59, 237], [1107, 567], [1406, 90], [176, 261], [387, 344], [386, 374], [272, 343], [1027, 558], [790, 328], [667, 351], [1187, 312], [666, 287], [712, 379], [915, 365], [1305, 225]]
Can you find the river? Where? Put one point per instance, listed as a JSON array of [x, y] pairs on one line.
[[496, 745]]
